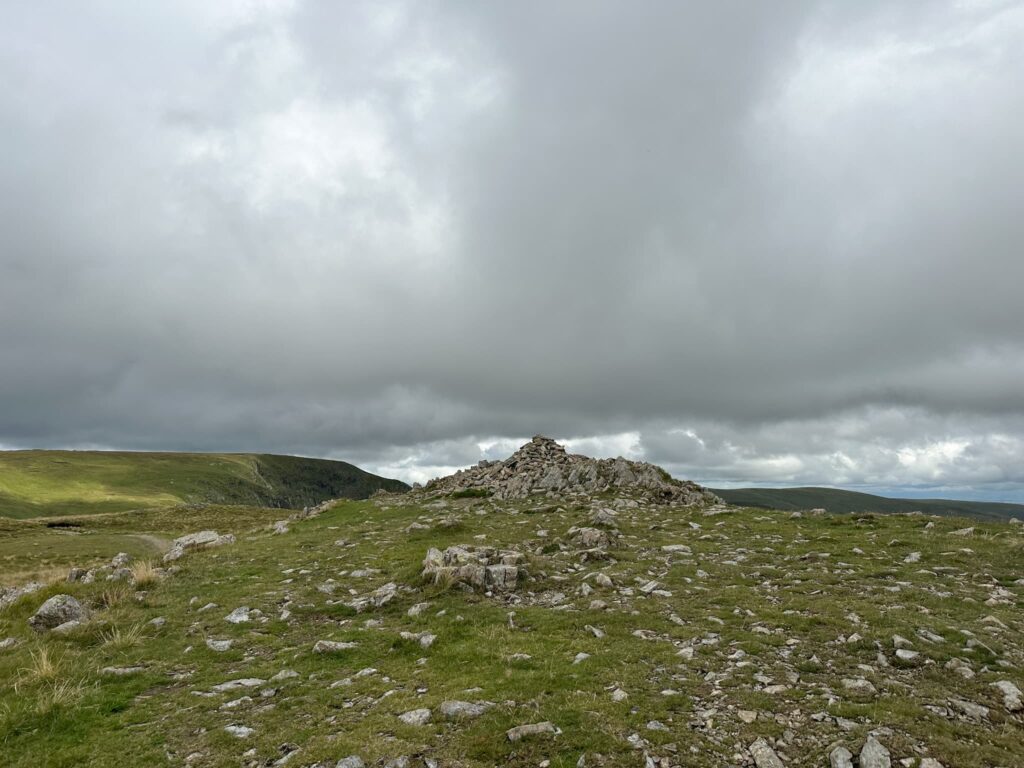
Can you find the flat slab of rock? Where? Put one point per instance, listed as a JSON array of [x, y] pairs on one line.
[[242, 682], [415, 717], [458, 710], [332, 646], [532, 729], [195, 541], [121, 671]]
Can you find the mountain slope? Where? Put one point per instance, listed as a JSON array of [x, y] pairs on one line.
[[428, 628], [45, 483], [837, 500]]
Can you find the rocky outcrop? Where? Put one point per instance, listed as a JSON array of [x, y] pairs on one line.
[[195, 541], [542, 466], [476, 567]]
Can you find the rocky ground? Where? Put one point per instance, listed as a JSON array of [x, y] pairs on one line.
[[587, 623]]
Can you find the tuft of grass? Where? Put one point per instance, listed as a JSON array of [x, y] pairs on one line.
[[59, 694], [121, 638], [144, 573], [43, 666], [111, 597]]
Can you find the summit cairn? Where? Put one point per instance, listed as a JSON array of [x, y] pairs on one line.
[[542, 466]]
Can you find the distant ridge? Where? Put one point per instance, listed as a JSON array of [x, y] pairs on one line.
[[44, 483], [837, 500]]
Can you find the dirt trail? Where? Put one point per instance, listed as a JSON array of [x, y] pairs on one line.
[[158, 542]]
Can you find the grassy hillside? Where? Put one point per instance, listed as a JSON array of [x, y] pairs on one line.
[[836, 500], [46, 483], [695, 634]]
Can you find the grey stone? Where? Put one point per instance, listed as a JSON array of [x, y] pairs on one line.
[[459, 710], [332, 646], [532, 729], [840, 757], [874, 755], [764, 756], [58, 610], [415, 717]]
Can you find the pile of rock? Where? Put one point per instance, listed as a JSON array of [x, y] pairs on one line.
[[196, 541], [11, 595], [116, 570], [542, 466], [483, 568]]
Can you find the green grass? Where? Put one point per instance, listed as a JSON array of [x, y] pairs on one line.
[[838, 500], [47, 483], [756, 580]]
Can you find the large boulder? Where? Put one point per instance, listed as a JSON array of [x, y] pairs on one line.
[[58, 610]]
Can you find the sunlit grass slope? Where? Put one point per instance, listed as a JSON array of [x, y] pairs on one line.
[[46, 483]]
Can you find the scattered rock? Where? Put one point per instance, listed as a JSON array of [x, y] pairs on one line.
[[239, 615]]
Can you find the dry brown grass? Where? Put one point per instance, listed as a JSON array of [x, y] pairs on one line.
[[43, 666], [62, 693], [144, 573], [116, 595], [52, 574], [119, 638]]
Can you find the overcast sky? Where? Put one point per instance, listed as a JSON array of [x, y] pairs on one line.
[[757, 243]]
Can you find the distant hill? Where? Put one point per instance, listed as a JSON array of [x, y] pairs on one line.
[[44, 483], [836, 500]]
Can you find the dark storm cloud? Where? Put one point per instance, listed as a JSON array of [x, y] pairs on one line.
[[766, 244]]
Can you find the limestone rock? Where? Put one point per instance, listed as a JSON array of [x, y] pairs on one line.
[[764, 756], [415, 717], [460, 710], [332, 646], [482, 568], [533, 729], [56, 611], [874, 755], [840, 757], [195, 541], [1011, 695]]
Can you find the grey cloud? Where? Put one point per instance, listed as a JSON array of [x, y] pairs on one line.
[[396, 232]]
